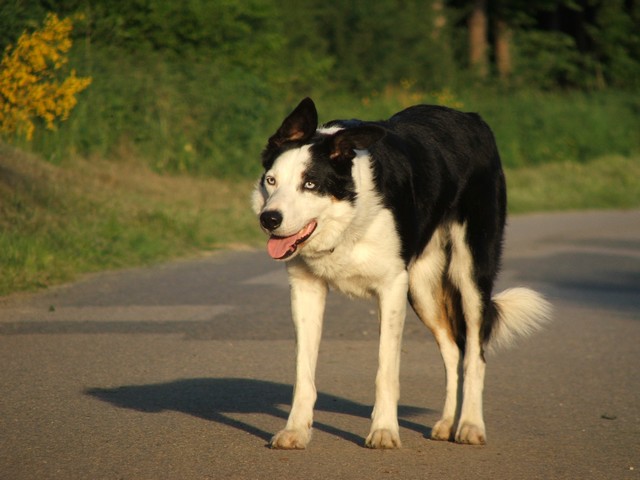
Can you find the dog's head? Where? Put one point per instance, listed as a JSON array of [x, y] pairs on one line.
[[306, 197]]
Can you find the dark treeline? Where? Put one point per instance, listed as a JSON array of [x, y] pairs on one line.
[[364, 45]]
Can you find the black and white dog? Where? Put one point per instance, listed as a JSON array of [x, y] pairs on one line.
[[411, 207]]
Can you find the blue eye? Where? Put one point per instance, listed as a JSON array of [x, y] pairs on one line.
[[308, 185]]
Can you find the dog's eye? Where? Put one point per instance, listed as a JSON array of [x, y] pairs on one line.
[[308, 185], [270, 180]]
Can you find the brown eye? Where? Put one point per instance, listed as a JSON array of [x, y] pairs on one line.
[[270, 180]]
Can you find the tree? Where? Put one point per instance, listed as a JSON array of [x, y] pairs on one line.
[[478, 44], [503, 36]]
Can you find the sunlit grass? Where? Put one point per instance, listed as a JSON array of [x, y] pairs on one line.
[[608, 182], [60, 221]]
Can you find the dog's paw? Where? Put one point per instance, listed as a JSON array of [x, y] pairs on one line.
[[471, 434], [291, 439], [442, 430], [383, 438]]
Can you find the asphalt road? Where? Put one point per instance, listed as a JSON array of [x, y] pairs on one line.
[[184, 371]]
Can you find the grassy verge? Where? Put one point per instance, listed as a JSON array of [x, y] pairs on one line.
[[608, 182], [59, 221], [82, 216]]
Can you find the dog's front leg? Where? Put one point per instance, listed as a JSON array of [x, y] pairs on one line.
[[308, 295], [392, 300]]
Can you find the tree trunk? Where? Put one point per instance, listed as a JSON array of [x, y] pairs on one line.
[[478, 51], [503, 49], [439, 19]]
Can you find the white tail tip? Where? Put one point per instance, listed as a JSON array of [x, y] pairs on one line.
[[521, 312]]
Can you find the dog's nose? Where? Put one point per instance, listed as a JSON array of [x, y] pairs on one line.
[[271, 219]]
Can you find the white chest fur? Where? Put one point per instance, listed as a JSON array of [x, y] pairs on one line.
[[363, 262]]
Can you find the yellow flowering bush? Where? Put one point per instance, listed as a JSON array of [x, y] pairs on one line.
[[30, 86]]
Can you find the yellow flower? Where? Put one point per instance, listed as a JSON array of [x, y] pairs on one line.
[[29, 84]]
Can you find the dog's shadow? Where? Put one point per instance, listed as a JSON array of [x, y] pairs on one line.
[[214, 399]]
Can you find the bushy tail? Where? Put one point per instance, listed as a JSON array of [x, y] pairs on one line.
[[520, 311]]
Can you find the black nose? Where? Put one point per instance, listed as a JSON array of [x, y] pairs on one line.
[[271, 219]]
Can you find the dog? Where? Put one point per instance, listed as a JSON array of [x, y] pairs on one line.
[[414, 208]]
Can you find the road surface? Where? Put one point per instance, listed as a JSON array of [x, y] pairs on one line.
[[184, 371]]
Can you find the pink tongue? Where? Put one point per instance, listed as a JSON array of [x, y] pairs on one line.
[[279, 247]]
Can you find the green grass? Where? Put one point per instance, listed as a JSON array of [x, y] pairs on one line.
[[60, 221], [536, 128], [158, 158], [608, 182]]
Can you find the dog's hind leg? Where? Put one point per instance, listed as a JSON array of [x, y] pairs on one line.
[[308, 295], [433, 301], [436, 313], [444, 332], [471, 428], [392, 300]]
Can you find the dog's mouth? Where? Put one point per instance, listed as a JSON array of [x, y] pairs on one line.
[[281, 248]]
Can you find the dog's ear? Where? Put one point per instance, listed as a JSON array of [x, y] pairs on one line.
[[300, 125], [346, 141]]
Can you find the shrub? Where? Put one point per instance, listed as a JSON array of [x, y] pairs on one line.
[[30, 87]]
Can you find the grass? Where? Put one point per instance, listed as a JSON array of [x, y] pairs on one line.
[[59, 221], [537, 128], [608, 182], [532, 128], [158, 158]]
